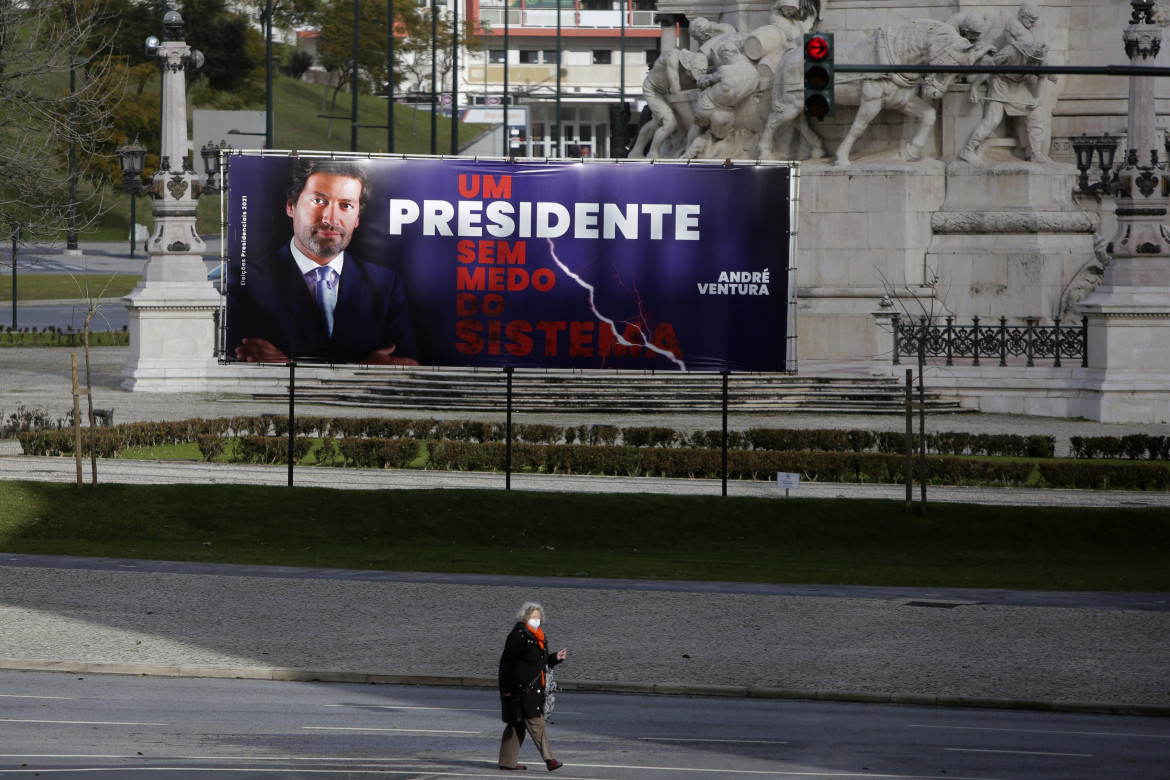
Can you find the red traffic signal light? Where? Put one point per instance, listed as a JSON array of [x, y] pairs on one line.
[[817, 48], [818, 75]]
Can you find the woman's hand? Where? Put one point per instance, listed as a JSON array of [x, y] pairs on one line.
[[562, 654]]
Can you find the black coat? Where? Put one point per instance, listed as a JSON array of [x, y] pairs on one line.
[[521, 665]]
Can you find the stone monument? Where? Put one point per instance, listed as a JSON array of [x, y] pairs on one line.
[[1129, 313], [172, 311], [954, 196]]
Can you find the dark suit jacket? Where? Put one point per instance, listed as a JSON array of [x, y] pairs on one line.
[[270, 300]]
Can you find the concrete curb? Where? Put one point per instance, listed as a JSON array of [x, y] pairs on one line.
[[662, 689]]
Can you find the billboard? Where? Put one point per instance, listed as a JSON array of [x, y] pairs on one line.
[[471, 263]]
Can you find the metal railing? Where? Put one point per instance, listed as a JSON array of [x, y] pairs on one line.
[[1030, 341]]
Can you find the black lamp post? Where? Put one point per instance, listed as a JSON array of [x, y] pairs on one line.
[[132, 161], [210, 154], [1105, 148]]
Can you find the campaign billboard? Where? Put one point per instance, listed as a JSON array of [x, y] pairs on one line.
[[473, 263]]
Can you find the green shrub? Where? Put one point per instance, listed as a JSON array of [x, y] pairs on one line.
[[270, 449], [210, 446], [378, 453], [603, 434], [541, 433], [653, 436]]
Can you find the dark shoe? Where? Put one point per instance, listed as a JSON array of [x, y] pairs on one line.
[[513, 768], [553, 765]]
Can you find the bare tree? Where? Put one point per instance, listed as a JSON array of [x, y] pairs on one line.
[[58, 92], [921, 314]]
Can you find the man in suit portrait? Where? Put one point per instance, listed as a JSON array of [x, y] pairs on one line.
[[311, 300]]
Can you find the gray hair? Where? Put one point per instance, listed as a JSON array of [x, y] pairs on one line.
[[526, 609]]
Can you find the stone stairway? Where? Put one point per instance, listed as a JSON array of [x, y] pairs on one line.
[[463, 390]]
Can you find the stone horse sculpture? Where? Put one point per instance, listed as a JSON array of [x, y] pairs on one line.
[[923, 41]]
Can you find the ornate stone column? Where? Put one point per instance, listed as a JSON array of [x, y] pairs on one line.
[[1129, 312], [172, 311]]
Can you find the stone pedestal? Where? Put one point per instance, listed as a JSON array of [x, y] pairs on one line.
[[1009, 239], [173, 319], [864, 231], [1129, 352]]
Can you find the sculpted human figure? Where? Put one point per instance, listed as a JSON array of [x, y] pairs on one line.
[[710, 35], [972, 25], [674, 71], [1020, 28], [1011, 94], [733, 82], [792, 19]]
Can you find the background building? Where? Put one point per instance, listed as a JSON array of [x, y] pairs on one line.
[[595, 37]]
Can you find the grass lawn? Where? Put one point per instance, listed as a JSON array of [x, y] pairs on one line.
[[55, 287], [624, 536]]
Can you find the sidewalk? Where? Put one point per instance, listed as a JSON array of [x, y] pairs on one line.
[[947, 648]]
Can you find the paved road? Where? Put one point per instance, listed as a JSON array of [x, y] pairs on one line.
[[112, 315], [916, 646], [160, 727]]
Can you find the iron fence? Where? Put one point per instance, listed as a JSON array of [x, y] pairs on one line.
[[1030, 341]]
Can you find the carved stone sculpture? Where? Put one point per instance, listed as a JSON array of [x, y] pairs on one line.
[[709, 35], [1013, 95], [675, 71], [972, 25], [923, 41], [732, 83]]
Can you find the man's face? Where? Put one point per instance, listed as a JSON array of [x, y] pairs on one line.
[[325, 215]]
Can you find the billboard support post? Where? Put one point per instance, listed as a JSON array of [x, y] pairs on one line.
[[508, 433], [725, 374], [292, 420]]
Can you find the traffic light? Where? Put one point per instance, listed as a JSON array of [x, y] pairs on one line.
[[818, 74]]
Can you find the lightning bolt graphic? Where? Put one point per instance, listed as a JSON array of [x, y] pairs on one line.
[[552, 250]]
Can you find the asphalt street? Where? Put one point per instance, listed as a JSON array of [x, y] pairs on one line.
[[166, 727]]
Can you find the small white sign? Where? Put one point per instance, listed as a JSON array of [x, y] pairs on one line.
[[787, 481]]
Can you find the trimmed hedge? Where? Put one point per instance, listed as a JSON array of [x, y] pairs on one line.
[[758, 453], [1135, 447], [697, 463]]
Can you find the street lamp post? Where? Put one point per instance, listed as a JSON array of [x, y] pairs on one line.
[[210, 153], [434, 76], [455, 77], [172, 310], [268, 123], [132, 160], [1128, 314], [560, 143]]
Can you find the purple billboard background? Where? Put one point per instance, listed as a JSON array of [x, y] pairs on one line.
[[707, 292]]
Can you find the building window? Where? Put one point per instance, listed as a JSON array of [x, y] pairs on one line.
[[652, 56], [497, 56], [550, 56], [602, 56], [529, 56]]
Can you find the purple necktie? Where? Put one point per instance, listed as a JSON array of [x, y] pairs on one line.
[[323, 283]]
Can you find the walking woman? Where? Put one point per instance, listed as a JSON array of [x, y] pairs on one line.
[[522, 687]]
